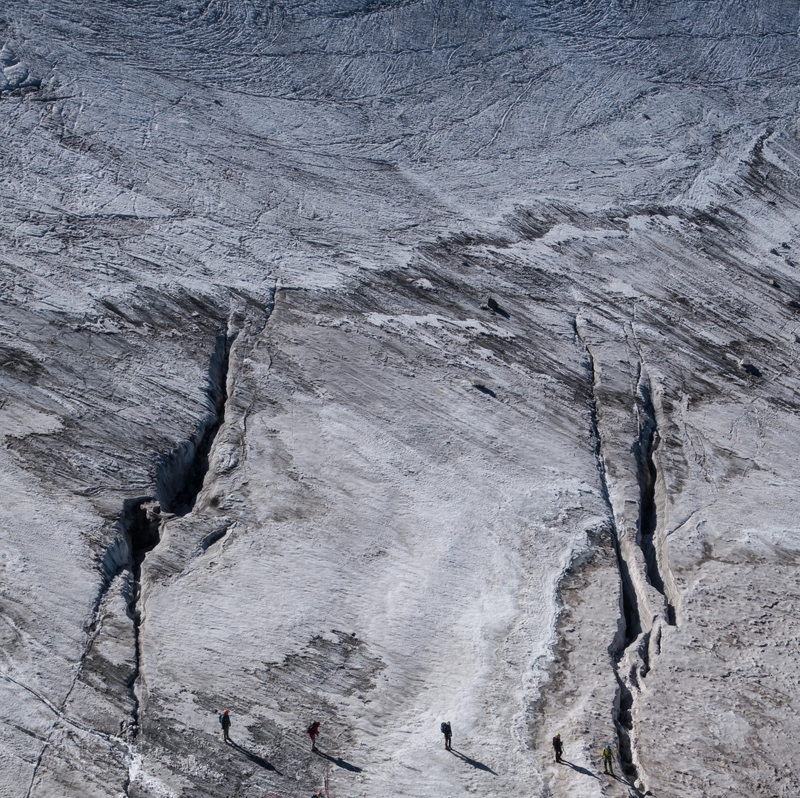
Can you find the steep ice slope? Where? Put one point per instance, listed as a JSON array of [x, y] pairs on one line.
[[276, 230], [396, 566]]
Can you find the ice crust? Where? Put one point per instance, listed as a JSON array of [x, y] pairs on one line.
[[458, 345]]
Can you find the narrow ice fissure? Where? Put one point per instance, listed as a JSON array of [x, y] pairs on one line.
[[179, 481], [639, 636], [630, 604], [649, 528], [631, 624], [143, 519], [182, 472], [112, 567]]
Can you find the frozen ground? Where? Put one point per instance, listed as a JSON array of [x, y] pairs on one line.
[[385, 363]]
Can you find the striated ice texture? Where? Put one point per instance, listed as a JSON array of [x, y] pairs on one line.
[[383, 363]]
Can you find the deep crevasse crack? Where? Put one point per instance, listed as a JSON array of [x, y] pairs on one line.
[[648, 591], [650, 533], [181, 477], [630, 611]]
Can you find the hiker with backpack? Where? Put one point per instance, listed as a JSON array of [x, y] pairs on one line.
[[313, 733], [558, 747], [608, 760], [447, 731], [225, 722]]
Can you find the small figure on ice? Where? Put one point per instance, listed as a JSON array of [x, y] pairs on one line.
[[447, 731], [558, 747], [608, 760], [313, 733], [225, 722]]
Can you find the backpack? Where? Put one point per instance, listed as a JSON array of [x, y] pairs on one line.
[[443, 727], [221, 716], [311, 729]]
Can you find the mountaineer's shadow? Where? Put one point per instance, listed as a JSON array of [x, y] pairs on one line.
[[339, 762], [255, 758], [621, 779], [579, 769], [473, 762]]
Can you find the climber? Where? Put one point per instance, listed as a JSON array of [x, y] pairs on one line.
[[447, 731], [608, 760], [313, 733], [225, 722], [557, 747]]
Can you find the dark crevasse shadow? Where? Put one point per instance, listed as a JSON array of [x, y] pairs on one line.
[[339, 762], [579, 769], [621, 780], [254, 758], [494, 306], [473, 762]]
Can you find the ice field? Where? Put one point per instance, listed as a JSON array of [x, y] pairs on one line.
[[385, 363]]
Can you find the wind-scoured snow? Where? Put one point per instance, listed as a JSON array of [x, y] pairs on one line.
[[386, 363]]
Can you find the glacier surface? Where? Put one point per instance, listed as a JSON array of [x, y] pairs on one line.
[[387, 362]]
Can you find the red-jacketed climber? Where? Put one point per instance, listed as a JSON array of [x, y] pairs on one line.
[[313, 733]]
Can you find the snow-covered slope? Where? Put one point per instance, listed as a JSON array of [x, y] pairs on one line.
[[385, 363]]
